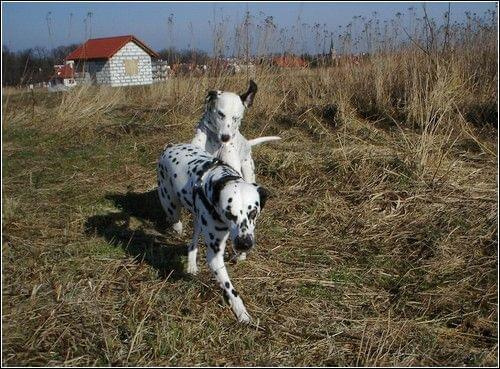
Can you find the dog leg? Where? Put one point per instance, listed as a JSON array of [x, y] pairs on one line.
[[171, 205], [215, 259], [248, 169], [192, 267]]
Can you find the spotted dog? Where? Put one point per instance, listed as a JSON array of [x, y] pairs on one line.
[[223, 204], [220, 125]]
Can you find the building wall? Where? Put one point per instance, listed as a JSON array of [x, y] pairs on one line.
[[69, 82], [118, 74], [95, 72], [99, 71]]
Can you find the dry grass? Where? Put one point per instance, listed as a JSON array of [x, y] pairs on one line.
[[378, 246]]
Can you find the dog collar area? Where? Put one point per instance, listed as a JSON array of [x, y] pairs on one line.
[[206, 203]]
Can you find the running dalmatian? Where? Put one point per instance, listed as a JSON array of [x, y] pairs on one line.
[[223, 204], [220, 125]]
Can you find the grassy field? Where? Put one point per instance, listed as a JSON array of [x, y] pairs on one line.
[[377, 247]]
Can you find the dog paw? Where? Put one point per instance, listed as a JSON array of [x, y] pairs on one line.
[[240, 311], [244, 318], [242, 256], [178, 227], [192, 269]]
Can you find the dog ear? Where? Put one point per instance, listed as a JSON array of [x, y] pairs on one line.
[[212, 95], [263, 194], [247, 97]]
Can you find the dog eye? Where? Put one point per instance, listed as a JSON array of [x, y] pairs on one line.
[[221, 114], [252, 214]]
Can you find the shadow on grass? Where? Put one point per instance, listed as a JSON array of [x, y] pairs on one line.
[[140, 242]]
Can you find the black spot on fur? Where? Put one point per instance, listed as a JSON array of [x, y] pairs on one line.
[[230, 199], [226, 296], [227, 285], [244, 224], [235, 294], [231, 216], [221, 229], [203, 221], [219, 185], [175, 175], [215, 247], [211, 235], [188, 202]]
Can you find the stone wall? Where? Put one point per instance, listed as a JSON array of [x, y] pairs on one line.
[[96, 72], [118, 74], [100, 72]]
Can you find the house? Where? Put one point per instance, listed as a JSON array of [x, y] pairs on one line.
[[289, 61], [114, 61], [63, 77]]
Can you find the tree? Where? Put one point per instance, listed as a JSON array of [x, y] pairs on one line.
[[31, 65]]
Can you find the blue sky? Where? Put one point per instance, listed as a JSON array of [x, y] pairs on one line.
[[24, 24]]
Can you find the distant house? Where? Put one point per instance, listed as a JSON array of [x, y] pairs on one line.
[[63, 77], [289, 61], [114, 61]]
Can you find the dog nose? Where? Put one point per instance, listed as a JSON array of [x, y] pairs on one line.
[[243, 243], [225, 138]]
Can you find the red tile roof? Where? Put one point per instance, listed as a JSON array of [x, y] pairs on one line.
[[105, 48], [64, 71], [289, 61]]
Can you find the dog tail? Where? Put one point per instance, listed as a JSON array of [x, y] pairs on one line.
[[258, 141]]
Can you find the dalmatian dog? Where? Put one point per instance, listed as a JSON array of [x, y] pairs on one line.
[[224, 205], [220, 126]]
